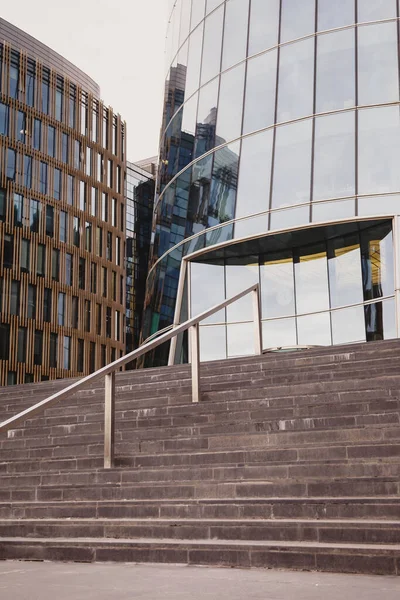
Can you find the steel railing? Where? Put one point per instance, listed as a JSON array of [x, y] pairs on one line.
[[108, 372]]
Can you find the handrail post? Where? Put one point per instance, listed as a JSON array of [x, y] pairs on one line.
[[257, 323], [109, 420], [195, 360]]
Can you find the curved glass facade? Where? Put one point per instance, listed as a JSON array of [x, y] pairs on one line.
[[278, 114], [62, 218]]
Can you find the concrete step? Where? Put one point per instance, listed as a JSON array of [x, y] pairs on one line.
[[376, 508], [349, 558]]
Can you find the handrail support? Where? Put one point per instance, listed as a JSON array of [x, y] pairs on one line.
[[257, 323], [195, 360], [109, 420]]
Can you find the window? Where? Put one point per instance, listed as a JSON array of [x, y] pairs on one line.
[[88, 236], [75, 312], [77, 154], [117, 325], [47, 305], [88, 161], [118, 250], [55, 265], [34, 217], [41, 260], [8, 252], [14, 75], [45, 91], [92, 357], [53, 350], [38, 347], [103, 355], [20, 133], [104, 207], [57, 184], [72, 106], [77, 234], [51, 141], [31, 301], [37, 134], [22, 344], [114, 286], [64, 148], [67, 352], [99, 241], [108, 322], [11, 162], [25, 255], [59, 98], [61, 308], [30, 83], [14, 299], [82, 277], [49, 221], [87, 315], [4, 116], [105, 277], [70, 190], [110, 174], [98, 319], [82, 195], [69, 269], [3, 207], [93, 205], [114, 212], [18, 209], [63, 226], [93, 278], [4, 341], [109, 246], [28, 171], [80, 357], [43, 178]]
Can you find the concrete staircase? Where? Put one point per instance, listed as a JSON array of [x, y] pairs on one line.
[[291, 460]]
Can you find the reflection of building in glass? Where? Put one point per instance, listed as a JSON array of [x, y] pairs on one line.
[[139, 215], [62, 208], [288, 120]]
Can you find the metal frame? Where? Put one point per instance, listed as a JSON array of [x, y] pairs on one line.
[[109, 372]]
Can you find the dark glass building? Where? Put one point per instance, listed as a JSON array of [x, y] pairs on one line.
[[62, 217], [140, 188], [279, 164]]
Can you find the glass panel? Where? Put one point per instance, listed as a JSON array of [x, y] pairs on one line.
[[260, 92], [311, 280], [198, 11], [314, 330], [348, 325], [379, 150], [235, 32], [240, 339], [296, 81], [345, 277], [254, 183], [224, 183], [292, 155], [298, 19], [211, 4], [336, 71], [380, 320], [229, 122], [264, 25], [331, 211], [334, 168], [378, 69], [379, 205], [377, 262], [291, 218], [211, 65], [211, 278], [277, 286], [194, 61], [238, 278], [335, 14], [212, 343], [279, 334], [206, 118], [376, 10]]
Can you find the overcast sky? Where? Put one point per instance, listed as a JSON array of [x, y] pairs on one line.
[[119, 43]]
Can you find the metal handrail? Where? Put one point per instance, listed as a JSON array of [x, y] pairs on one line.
[[109, 372]]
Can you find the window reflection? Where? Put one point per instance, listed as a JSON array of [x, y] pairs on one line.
[[311, 279], [235, 32], [224, 185], [298, 19], [379, 150], [277, 282], [345, 277], [376, 10], [380, 321], [335, 14], [212, 45], [238, 278], [314, 330], [279, 334], [378, 69], [296, 80], [335, 71], [377, 262], [331, 211], [334, 168], [198, 11], [259, 109], [230, 108], [254, 183], [240, 338], [209, 278], [348, 325], [264, 25], [212, 343], [292, 172], [194, 61], [206, 118]]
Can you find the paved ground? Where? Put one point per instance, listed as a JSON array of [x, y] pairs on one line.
[[60, 581]]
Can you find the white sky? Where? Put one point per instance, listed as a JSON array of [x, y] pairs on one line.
[[119, 43]]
